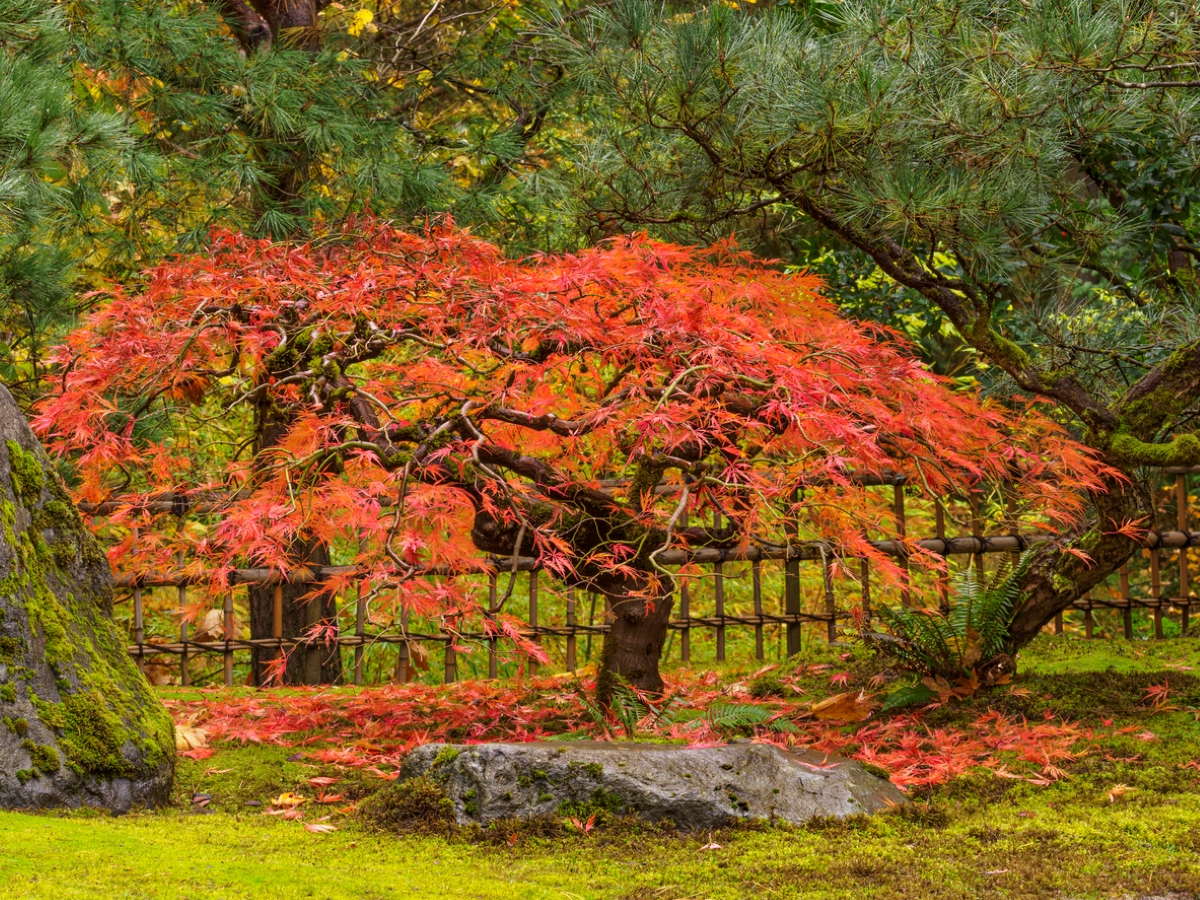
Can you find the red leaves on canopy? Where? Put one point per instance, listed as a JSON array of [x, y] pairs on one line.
[[424, 384]]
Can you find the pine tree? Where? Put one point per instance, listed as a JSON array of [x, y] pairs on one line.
[[271, 141], [53, 160], [1027, 171]]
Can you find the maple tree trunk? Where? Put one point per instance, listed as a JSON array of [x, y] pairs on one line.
[[633, 646], [319, 664], [1062, 578], [312, 665]]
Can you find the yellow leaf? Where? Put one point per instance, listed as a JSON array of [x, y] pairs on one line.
[[189, 738], [1118, 790], [850, 706]]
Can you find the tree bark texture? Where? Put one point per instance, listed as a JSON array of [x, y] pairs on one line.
[[1061, 578], [316, 664], [634, 644], [258, 24], [312, 665]]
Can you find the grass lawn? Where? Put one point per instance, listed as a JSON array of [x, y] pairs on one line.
[[1121, 817]]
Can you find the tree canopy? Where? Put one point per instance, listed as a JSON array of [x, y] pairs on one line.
[[1012, 187], [430, 398]]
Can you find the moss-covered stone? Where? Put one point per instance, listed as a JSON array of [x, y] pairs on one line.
[[43, 757], [91, 732], [25, 472]]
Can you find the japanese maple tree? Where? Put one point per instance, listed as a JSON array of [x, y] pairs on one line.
[[429, 401]]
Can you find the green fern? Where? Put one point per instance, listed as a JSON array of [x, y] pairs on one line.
[[970, 634], [630, 709], [724, 717], [914, 693]]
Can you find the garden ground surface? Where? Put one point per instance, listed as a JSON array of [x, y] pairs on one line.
[[1081, 779]]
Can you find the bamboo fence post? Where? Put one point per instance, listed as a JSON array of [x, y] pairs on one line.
[[450, 669], [228, 652], [139, 633], [791, 587], [277, 617], [756, 583], [685, 611], [139, 623], [493, 663], [533, 617], [1181, 504], [1156, 592], [1089, 620], [791, 603], [830, 601], [900, 517], [360, 630], [977, 533], [865, 579], [571, 629], [403, 662], [719, 596], [1127, 605], [184, 675], [277, 613], [587, 652], [943, 578]]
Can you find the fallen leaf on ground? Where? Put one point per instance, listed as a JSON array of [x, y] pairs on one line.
[[188, 737], [1118, 790], [850, 706]]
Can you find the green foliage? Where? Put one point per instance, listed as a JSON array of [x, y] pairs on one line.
[[54, 155], [133, 128], [629, 708], [1022, 179], [270, 142], [726, 718], [43, 757], [963, 640], [493, 105]]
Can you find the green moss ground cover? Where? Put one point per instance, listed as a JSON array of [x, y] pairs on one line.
[[1122, 819]]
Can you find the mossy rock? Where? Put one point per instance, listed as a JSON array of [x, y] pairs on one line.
[[690, 788], [84, 728]]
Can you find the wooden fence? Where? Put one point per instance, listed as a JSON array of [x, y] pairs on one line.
[[779, 592]]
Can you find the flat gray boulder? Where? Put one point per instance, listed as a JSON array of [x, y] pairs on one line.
[[79, 725], [695, 788]]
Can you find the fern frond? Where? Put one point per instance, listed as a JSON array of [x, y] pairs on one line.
[[974, 628]]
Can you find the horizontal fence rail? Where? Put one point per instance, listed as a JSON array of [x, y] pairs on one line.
[[567, 627]]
